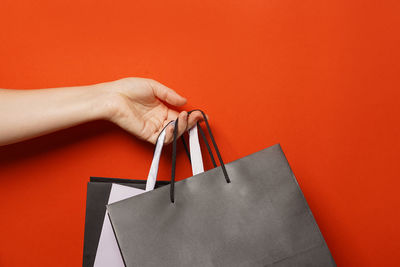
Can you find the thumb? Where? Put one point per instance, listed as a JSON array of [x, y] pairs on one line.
[[166, 94]]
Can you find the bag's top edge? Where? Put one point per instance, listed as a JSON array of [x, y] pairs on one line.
[[121, 180]]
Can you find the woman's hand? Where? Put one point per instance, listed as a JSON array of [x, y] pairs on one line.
[[137, 105]]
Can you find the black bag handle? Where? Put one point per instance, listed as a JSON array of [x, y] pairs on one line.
[[185, 144], [183, 141], [207, 144], [205, 141], [172, 184]]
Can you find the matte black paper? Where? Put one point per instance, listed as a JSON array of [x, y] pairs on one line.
[[98, 192]]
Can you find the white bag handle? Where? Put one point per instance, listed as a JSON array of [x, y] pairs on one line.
[[108, 253], [195, 151], [195, 156]]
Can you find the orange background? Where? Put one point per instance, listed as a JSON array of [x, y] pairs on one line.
[[319, 77]]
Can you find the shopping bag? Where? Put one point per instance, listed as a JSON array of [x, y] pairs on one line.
[[108, 253], [249, 212], [98, 192], [100, 247]]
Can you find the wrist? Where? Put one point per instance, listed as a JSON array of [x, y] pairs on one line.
[[106, 100]]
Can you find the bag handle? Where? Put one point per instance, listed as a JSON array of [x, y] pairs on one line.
[[194, 155], [196, 158], [172, 185], [205, 141], [207, 145]]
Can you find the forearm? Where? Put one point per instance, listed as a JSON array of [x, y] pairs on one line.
[[134, 104], [29, 113]]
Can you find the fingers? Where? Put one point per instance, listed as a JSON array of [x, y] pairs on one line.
[[185, 123], [194, 117], [169, 134], [166, 94], [182, 126]]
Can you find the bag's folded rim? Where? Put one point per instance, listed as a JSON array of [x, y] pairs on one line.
[[122, 180]]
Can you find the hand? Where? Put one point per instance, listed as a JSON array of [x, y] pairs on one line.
[[136, 105]]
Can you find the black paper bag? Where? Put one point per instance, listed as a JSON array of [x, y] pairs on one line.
[[98, 196], [98, 191]]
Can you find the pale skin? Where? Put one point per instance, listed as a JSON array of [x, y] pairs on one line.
[[137, 105]]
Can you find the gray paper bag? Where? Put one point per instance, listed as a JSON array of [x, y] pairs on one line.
[[250, 212]]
